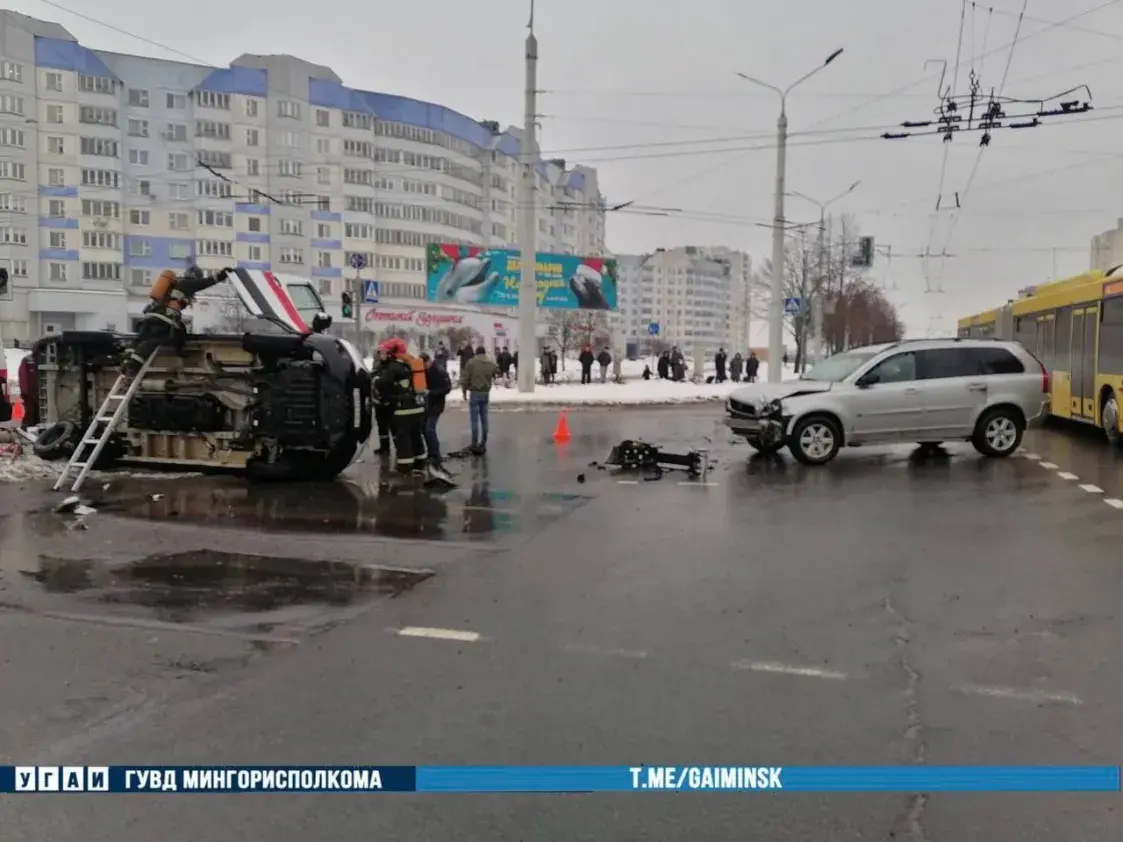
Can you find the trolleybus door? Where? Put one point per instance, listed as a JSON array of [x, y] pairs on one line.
[[1084, 323]]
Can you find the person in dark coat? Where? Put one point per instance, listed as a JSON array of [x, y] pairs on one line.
[[752, 365], [439, 386], [544, 362], [503, 360], [604, 359], [586, 359], [736, 366], [647, 372], [663, 366], [465, 353], [719, 364], [442, 354], [553, 364]]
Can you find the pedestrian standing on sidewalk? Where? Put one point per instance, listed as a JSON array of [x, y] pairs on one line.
[[586, 359], [439, 387], [475, 382], [605, 360]]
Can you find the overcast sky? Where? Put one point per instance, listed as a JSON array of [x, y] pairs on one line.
[[628, 80]]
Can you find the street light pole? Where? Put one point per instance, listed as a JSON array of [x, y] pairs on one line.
[[528, 247], [816, 302], [776, 306]]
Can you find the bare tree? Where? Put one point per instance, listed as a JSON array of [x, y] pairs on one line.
[[570, 329], [231, 316], [803, 279]]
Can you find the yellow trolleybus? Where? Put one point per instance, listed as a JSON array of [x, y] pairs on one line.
[[1075, 327]]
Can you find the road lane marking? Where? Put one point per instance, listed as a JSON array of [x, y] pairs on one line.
[[1049, 466], [788, 669], [1092, 489], [582, 649], [1114, 502], [627, 482], [439, 634], [1067, 475], [699, 484], [1033, 457], [1025, 695]]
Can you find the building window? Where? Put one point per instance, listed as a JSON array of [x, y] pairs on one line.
[[11, 104], [138, 128], [138, 98], [178, 162], [289, 169], [323, 231], [56, 271], [140, 217], [97, 84], [213, 99], [323, 259], [101, 178], [56, 208], [140, 247], [101, 271], [292, 255], [13, 236], [215, 160], [97, 116], [290, 140], [101, 240], [12, 137], [323, 175], [357, 231], [251, 107], [139, 157], [54, 114], [292, 226], [214, 189], [99, 146], [287, 108], [214, 248], [252, 137], [179, 190], [98, 207], [138, 277], [140, 187], [179, 221], [11, 71], [323, 117], [56, 145], [253, 167], [52, 81], [254, 253], [19, 268], [357, 120], [175, 133], [323, 145], [211, 129], [56, 239], [13, 170], [180, 251], [253, 223], [217, 219], [351, 176]]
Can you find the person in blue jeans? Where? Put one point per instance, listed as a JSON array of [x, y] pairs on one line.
[[476, 378], [439, 387]]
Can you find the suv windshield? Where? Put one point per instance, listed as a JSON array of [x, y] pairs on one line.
[[840, 366]]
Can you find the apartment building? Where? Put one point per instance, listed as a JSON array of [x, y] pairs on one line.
[[1107, 249], [698, 295], [114, 167]]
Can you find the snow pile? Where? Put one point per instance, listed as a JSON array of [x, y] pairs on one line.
[[21, 465]]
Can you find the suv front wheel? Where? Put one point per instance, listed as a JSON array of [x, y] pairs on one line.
[[999, 432], [815, 440]]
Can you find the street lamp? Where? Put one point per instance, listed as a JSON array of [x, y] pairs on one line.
[[816, 303], [776, 309]]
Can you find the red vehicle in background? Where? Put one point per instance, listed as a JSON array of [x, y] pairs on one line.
[[5, 399]]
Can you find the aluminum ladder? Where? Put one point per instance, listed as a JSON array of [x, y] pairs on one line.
[[108, 415]]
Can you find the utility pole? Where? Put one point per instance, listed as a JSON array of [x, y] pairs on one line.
[[357, 308], [776, 305], [528, 246]]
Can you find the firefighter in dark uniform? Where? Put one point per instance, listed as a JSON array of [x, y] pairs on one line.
[[403, 376], [163, 317], [383, 405]]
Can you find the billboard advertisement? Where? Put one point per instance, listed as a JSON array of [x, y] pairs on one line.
[[490, 277]]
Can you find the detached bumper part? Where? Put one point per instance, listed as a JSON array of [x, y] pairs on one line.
[[638, 455]]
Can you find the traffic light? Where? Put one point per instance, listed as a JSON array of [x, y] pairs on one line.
[[346, 305], [863, 257], [5, 288]]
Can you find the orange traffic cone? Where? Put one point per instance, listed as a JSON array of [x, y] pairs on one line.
[[17, 410], [561, 431]]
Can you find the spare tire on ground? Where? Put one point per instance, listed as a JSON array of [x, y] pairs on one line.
[[55, 442]]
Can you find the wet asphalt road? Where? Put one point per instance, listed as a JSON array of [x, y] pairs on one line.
[[886, 609]]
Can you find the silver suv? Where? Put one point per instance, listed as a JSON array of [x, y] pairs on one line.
[[930, 391]]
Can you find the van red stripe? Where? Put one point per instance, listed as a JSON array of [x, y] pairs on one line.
[[286, 303]]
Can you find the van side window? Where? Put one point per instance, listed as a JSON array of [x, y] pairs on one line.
[[899, 368], [997, 361], [942, 363]]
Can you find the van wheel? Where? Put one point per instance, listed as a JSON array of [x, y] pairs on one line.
[[999, 432], [762, 448], [815, 440]]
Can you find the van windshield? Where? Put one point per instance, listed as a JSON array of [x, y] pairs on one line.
[[305, 298], [837, 368]]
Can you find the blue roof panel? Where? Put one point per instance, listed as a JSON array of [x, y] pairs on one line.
[[69, 55]]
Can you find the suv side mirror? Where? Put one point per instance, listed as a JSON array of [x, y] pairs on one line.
[[867, 380]]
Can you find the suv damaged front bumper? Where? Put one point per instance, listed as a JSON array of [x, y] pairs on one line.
[[763, 421]]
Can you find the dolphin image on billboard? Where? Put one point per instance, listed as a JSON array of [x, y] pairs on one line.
[[491, 277]]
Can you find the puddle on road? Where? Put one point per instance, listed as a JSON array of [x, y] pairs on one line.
[[183, 587], [474, 510]]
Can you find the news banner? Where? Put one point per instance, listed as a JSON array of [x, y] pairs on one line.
[[553, 779]]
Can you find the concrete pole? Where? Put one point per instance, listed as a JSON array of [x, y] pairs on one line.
[[820, 290], [776, 305], [528, 234]]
